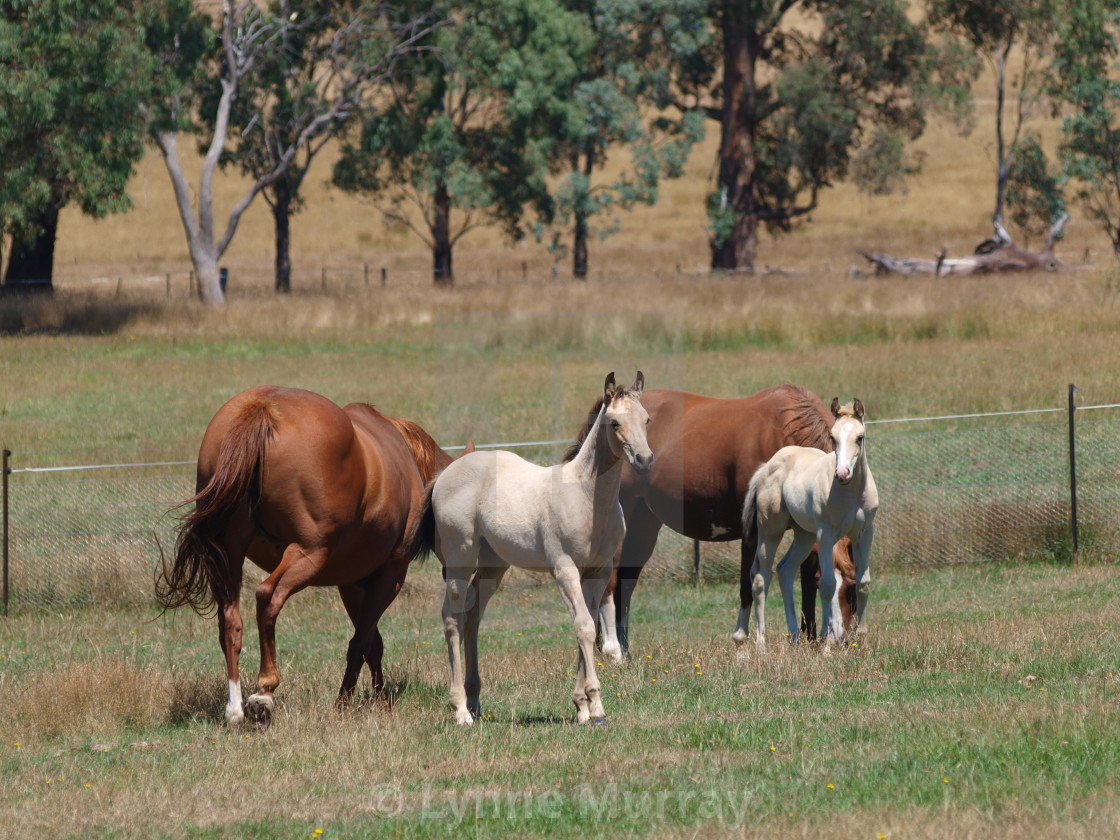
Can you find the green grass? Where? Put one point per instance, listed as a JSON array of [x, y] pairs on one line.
[[983, 698]]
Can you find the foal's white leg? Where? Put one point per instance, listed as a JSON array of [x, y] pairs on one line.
[[788, 568], [761, 571], [482, 589], [612, 650], [588, 693], [454, 618], [832, 623], [861, 557]]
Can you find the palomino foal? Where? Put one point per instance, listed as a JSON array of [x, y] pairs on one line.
[[821, 497], [493, 509]]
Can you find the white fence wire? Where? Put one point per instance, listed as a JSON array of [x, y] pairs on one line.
[[953, 489]]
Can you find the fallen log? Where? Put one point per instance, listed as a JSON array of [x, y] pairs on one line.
[[993, 255]]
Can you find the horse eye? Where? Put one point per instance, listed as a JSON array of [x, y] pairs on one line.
[[859, 441], [614, 424]]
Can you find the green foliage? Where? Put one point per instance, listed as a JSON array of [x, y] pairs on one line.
[[473, 119], [626, 73], [1085, 78], [1034, 194], [74, 74]]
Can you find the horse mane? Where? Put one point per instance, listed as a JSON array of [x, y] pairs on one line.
[[584, 431], [808, 420], [430, 459]]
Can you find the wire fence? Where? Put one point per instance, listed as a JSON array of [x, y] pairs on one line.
[[953, 489]]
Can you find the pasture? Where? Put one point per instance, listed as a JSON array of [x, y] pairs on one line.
[[982, 703]]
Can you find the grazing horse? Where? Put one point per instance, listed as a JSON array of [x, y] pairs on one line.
[[489, 510], [707, 450], [822, 497], [314, 494]]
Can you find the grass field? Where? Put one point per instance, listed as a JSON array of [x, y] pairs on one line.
[[981, 704]]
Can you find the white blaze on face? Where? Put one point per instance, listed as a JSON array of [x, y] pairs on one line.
[[847, 448]]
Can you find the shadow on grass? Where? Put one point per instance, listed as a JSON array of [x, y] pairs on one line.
[[69, 314]]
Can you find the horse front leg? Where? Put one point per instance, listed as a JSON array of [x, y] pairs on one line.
[[832, 624], [588, 694], [367, 645]]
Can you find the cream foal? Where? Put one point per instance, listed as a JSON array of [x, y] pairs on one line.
[[821, 497], [495, 509]]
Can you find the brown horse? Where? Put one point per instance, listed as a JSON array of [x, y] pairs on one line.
[[314, 494], [707, 450]]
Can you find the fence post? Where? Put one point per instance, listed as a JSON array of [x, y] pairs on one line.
[[696, 562], [1072, 471], [7, 454]]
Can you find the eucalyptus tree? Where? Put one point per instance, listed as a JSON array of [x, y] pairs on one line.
[[806, 93], [298, 96], [1086, 80], [1016, 37], [625, 108], [72, 76], [469, 130]]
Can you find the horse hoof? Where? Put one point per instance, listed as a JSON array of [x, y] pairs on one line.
[[598, 721], [258, 710], [739, 637], [463, 718], [235, 715], [613, 654]]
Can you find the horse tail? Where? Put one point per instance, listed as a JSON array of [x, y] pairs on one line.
[[424, 533], [202, 574], [750, 502]]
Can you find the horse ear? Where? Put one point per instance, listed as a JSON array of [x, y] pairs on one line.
[[609, 386], [857, 407], [835, 407], [639, 384]]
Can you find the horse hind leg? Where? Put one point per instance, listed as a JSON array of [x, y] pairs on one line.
[[487, 578], [229, 637], [366, 606], [642, 528], [297, 567]]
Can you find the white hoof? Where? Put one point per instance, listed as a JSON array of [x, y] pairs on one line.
[[613, 653], [463, 717], [235, 715], [259, 709], [739, 637]]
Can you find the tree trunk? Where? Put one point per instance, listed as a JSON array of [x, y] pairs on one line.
[[1003, 164], [441, 237], [31, 262], [736, 250], [281, 216], [579, 247]]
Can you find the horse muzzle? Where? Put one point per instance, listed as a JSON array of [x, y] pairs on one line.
[[642, 464]]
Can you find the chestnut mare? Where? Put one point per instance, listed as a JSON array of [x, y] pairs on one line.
[[314, 494], [707, 450]]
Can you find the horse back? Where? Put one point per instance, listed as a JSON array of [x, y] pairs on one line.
[[708, 448]]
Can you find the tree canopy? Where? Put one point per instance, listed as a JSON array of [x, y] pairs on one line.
[[74, 74]]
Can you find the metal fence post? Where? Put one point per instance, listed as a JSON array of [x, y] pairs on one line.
[[7, 454], [1072, 470]]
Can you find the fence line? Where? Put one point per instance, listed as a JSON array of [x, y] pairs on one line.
[[972, 492]]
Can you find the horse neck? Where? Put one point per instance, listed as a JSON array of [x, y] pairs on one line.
[[595, 459]]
